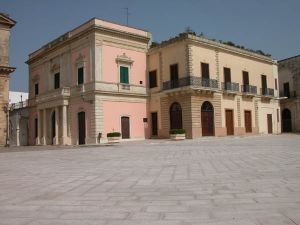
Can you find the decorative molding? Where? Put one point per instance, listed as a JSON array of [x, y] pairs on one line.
[[55, 67], [124, 59], [80, 60]]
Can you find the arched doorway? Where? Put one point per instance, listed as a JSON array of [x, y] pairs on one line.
[[81, 128], [175, 116], [286, 120], [53, 131], [207, 119]]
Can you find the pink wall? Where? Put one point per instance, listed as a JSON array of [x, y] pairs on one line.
[[110, 67], [87, 76], [112, 117]]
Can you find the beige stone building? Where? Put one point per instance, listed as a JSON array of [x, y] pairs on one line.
[[211, 89], [289, 86], [6, 23]]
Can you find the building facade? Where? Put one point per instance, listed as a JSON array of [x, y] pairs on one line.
[[87, 83], [289, 86], [6, 23], [211, 89], [103, 77]]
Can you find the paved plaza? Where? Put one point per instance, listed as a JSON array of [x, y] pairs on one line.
[[213, 181]]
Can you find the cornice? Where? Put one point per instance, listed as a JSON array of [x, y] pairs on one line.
[[6, 69]]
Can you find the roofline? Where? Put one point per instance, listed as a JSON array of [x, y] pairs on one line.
[[289, 58], [215, 44], [13, 22]]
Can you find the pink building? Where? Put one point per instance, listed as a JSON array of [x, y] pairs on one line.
[[87, 83]]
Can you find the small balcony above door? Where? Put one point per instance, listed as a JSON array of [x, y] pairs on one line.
[[230, 87], [249, 90]]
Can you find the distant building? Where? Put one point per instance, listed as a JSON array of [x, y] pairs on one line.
[[6, 23], [18, 118], [289, 85]]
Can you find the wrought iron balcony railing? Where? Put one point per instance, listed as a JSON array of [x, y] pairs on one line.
[[249, 89], [231, 86], [291, 94], [267, 91], [191, 81]]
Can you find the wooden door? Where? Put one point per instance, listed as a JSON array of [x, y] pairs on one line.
[[81, 128], [205, 70], [207, 119], [248, 122], [270, 124], [125, 127], [229, 121], [246, 81], [154, 123]]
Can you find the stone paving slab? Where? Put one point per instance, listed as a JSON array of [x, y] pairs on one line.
[[214, 181]]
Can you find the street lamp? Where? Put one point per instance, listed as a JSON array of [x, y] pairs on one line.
[[6, 111]]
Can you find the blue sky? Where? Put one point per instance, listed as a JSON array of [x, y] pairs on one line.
[[270, 25]]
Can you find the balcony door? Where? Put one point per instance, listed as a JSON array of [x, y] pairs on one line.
[[286, 89], [227, 78], [174, 75], [264, 84], [246, 81]]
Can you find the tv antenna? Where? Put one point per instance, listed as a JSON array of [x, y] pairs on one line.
[[127, 15]]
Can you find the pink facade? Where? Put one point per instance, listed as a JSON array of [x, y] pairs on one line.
[[113, 111], [73, 112], [110, 66]]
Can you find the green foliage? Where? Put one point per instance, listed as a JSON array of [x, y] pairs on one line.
[[114, 134], [177, 131]]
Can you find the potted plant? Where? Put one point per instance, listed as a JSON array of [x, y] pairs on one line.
[[113, 137], [177, 134]]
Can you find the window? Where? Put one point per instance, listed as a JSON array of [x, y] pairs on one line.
[[124, 75], [264, 85], [36, 127], [152, 79], [56, 80], [286, 89], [80, 75], [275, 84], [205, 70], [36, 88]]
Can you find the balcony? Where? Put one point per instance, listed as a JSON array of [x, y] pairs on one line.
[[57, 94], [112, 88], [230, 87], [267, 92], [290, 94], [196, 82], [249, 90]]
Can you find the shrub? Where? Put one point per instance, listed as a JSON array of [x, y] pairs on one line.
[[177, 131], [114, 134]]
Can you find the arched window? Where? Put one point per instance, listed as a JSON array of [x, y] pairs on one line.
[[175, 116]]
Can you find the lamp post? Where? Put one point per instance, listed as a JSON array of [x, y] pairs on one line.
[[6, 111]]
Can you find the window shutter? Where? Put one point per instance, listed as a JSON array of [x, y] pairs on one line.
[[124, 75]]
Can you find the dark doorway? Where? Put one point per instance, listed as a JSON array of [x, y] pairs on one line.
[[154, 123], [175, 116], [229, 121], [81, 128], [286, 120], [125, 127], [248, 122], [53, 130], [207, 119], [286, 89], [270, 124]]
